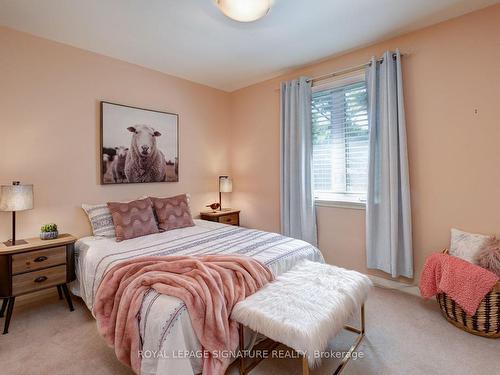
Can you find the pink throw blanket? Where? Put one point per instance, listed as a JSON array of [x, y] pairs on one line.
[[209, 286], [464, 282]]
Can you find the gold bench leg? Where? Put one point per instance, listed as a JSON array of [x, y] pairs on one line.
[[305, 366], [361, 334], [242, 347]]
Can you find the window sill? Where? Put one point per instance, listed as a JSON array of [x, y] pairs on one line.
[[340, 204]]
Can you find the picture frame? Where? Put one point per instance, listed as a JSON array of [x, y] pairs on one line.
[[138, 145]]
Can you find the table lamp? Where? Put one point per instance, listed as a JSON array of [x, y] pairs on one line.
[[225, 186], [13, 198]]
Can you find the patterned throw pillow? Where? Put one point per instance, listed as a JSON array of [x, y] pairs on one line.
[[173, 212], [100, 219], [466, 245], [133, 219]]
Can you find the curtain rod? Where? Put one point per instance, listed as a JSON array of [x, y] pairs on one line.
[[344, 71]]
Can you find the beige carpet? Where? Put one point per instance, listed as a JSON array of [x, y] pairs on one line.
[[404, 336]]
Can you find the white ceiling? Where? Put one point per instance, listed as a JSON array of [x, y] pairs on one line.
[[193, 40]]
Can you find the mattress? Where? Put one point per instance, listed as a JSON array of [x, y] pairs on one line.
[[169, 343]]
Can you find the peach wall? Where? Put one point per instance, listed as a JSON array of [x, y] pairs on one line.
[[49, 118], [450, 70]]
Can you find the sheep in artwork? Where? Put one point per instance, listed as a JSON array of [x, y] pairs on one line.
[[118, 164], [144, 161], [107, 162]]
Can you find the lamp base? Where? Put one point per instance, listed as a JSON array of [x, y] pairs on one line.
[[18, 242]]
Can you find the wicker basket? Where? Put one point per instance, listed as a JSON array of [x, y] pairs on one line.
[[486, 320]]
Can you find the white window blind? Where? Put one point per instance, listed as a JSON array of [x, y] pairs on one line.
[[340, 142]]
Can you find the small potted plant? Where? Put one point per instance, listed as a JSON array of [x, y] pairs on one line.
[[49, 232]]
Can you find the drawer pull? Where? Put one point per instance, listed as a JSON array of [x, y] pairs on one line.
[[40, 279], [41, 259]]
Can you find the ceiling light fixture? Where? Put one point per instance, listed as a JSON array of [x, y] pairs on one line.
[[244, 10]]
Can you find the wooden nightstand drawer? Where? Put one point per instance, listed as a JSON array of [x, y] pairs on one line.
[[34, 260], [31, 281], [232, 219]]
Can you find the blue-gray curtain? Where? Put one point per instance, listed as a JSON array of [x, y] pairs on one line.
[[298, 218], [388, 212]]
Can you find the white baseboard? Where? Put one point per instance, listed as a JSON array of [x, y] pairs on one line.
[[396, 285]]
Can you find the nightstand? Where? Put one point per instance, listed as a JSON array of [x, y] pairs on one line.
[[36, 265], [231, 217]]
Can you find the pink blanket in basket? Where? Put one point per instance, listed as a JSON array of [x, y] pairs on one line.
[[209, 286], [464, 282]]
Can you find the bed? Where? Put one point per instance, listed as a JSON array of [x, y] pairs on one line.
[[169, 343]]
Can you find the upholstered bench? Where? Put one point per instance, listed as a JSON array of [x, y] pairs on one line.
[[303, 309]]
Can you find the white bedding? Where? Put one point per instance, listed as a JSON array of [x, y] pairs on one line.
[[165, 325]]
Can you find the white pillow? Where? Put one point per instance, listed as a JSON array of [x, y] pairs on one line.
[[466, 245], [100, 219]]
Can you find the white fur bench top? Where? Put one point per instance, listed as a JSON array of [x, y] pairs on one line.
[[305, 307]]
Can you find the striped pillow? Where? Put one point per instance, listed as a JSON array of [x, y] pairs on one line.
[[100, 219]]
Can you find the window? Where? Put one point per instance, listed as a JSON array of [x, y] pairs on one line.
[[340, 141]]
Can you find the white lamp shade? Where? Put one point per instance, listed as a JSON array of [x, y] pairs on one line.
[[225, 184], [16, 197], [244, 10]]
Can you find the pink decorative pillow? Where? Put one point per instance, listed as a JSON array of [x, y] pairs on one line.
[[489, 257], [173, 212], [133, 219]]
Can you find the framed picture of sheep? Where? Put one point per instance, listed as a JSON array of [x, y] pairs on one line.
[[138, 145]]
